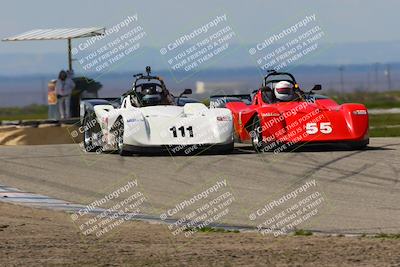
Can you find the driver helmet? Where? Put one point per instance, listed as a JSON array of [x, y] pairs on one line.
[[284, 91], [151, 96]]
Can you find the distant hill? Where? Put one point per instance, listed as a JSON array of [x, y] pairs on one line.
[[238, 56], [24, 77]]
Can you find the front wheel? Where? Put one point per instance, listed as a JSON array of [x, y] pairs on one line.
[[92, 133], [120, 139], [256, 136]]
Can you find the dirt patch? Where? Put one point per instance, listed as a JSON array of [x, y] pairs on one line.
[[42, 237], [42, 135]]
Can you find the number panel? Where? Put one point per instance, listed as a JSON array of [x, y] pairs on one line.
[[324, 127], [181, 131]]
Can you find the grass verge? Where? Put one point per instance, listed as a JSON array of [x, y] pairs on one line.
[[302, 232]]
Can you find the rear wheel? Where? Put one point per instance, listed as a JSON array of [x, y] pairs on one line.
[[120, 138], [92, 133], [256, 136]]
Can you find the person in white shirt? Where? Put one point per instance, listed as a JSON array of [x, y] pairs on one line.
[[64, 87]]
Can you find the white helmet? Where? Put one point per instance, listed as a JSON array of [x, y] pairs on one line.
[[284, 91]]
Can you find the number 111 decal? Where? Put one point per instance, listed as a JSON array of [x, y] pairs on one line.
[[182, 131]]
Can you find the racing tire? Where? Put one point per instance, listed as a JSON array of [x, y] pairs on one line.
[[88, 136], [120, 139], [256, 136]]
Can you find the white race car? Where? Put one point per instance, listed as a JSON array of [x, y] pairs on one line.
[[146, 119]]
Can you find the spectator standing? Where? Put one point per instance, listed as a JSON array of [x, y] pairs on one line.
[[64, 87]]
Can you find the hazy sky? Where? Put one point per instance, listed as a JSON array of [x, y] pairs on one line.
[[343, 21]]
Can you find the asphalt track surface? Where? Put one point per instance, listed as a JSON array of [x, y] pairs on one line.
[[360, 189]]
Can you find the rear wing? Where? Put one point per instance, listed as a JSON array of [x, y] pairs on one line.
[[220, 101]]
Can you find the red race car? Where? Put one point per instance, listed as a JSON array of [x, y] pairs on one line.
[[281, 116]]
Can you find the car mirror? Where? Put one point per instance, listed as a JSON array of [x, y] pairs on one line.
[[187, 92], [317, 87]]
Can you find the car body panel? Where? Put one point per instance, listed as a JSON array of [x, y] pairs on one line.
[[152, 125], [316, 119]]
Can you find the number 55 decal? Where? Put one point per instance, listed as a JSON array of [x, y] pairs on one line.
[[324, 127]]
